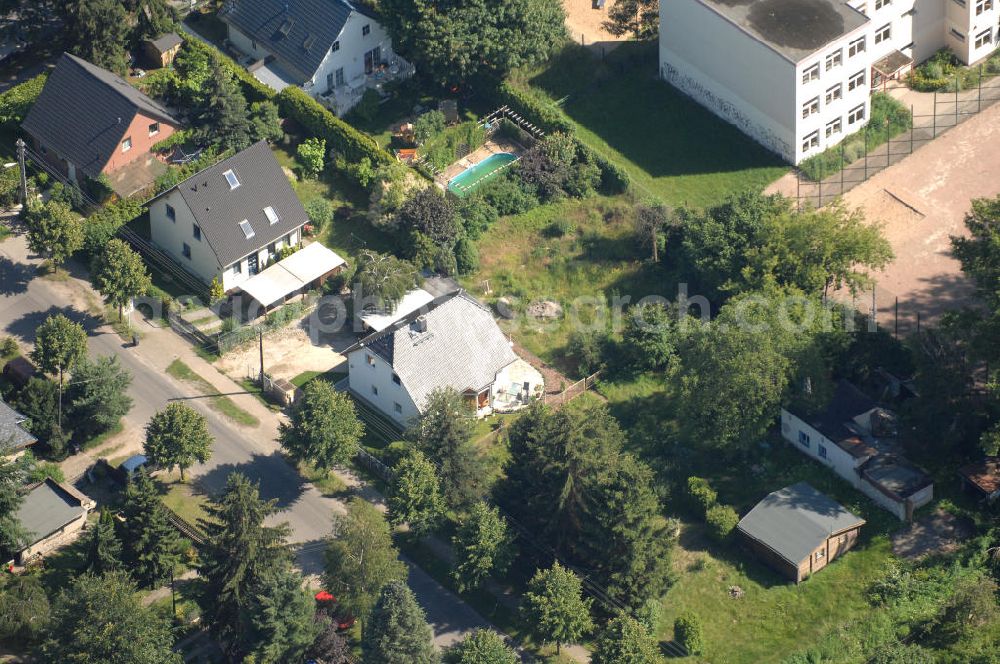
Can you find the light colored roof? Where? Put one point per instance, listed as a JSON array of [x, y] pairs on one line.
[[409, 303], [291, 274], [462, 347], [795, 520], [48, 507]]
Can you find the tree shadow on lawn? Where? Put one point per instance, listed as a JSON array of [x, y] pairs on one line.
[[278, 481], [693, 539]]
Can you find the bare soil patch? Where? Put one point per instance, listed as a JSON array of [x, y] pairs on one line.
[[937, 533], [287, 353], [583, 23]]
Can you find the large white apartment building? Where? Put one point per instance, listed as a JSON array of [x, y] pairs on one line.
[[796, 75]]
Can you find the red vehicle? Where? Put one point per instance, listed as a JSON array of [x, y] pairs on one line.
[[326, 603]]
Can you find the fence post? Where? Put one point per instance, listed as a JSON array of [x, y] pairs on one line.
[[934, 116], [979, 92], [888, 144], [957, 85], [843, 166], [866, 152]]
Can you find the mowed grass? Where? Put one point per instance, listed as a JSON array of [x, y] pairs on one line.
[[219, 403], [673, 148]]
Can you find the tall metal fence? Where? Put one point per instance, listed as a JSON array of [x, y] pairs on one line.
[[932, 115]]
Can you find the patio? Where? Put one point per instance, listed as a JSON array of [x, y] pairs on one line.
[[342, 98]]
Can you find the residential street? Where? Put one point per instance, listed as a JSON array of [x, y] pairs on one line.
[[26, 301]]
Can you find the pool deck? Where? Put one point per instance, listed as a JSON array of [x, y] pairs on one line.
[[491, 147]]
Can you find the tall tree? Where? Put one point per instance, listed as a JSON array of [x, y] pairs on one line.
[[444, 434], [483, 545], [650, 337], [239, 551], [283, 616], [104, 550], [431, 213], [482, 646], [323, 427], [416, 494], [24, 608], [224, 118], [178, 436], [361, 558], [397, 632], [100, 619], [153, 18], [554, 609], [639, 19], [650, 221], [59, 344], [11, 479], [120, 275], [150, 540], [98, 31], [39, 402], [454, 42], [97, 395], [265, 123], [626, 641], [53, 230]]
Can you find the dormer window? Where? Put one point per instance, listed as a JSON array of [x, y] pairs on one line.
[[232, 179], [366, 30], [246, 228], [335, 47], [271, 215], [286, 27]]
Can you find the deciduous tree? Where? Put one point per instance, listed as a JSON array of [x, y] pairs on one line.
[[120, 275], [639, 19], [482, 646], [382, 280], [59, 344], [323, 427], [397, 632], [626, 641], [483, 545], [178, 436], [311, 154], [554, 609], [53, 230], [416, 494], [429, 212]]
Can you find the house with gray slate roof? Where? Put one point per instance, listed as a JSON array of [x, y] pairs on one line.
[[333, 49], [799, 531], [451, 342], [14, 437]]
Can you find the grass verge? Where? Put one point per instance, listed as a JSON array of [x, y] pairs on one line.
[[219, 403]]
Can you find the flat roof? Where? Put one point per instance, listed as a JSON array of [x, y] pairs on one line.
[[47, 508], [291, 274], [794, 28], [413, 300]]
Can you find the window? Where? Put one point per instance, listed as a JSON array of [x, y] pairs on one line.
[[127, 144], [803, 439], [985, 37], [883, 33], [336, 46], [821, 449], [834, 93], [286, 27], [396, 380], [834, 59], [366, 30], [855, 47], [374, 390], [833, 127], [811, 141], [271, 215], [957, 35], [983, 6], [856, 81], [171, 213], [810, 107], [154, 129], [371, 360], [857, 115], [309, 41], [339, 75], [186, 250], [810, 73], [960, 3], [238, 267], [196, 232], [396, 407], [879, 4], [246, 228], [232, 179], [821, 554]]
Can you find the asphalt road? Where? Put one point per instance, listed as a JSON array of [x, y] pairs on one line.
[[26, 300]]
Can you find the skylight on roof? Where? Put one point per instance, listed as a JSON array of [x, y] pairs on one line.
[[271, 215], [247, 228], [286, 27], [232, 179], [307, 44]]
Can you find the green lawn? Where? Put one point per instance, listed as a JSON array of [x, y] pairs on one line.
[[185, 501], [332, 376], [221, 404], [673, 148]]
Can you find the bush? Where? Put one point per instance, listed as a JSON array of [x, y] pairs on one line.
[[320, 212], [104, 224], [9, 347], [586, 347], [168, 144], [477, 215], [508, 196], [466, 256], [701, 493], [428, 125], [18, 100], [689, 634], [253, 89], [367, 106], [311, 155], [721, 520]]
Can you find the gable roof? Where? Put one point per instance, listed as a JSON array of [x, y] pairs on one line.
[[462, 347], [836, 421], [13, 436], [167, 41], [219, 209], [48, 507], [284, 26], [795, 520], [84, 111]]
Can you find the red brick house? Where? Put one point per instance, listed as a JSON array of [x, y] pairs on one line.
[[87, 122]]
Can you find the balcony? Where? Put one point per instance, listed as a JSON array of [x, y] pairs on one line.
[[343, 98]]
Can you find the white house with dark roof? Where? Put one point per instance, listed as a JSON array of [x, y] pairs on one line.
[[332, 49], [795, 75], [230, 221], [452, 342]]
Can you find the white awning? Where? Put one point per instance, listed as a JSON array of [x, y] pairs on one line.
[[291, 274], [410, 302]]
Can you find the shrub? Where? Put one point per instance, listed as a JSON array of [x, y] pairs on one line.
[[721, 520], [689, 634], [253, 89], [320, 212], [466, 256], [18, 100], [104, 224], [560, 228], [311, 154], [586, 347], [701, 493], [9, 347], [477, 215], [427, 125], [509, 196], [168, 144], [367, 106]]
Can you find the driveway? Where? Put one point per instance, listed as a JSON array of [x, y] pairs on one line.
[[26, 300]]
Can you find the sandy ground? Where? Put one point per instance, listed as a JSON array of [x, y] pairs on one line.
[[583, 23], [287, 354]]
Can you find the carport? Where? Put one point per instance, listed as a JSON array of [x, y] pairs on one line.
[[303, 270]]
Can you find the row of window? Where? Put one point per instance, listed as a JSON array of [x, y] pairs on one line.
[[804, 442], [834, 59], [833, 127], [153, 130], [833, 94], [395, 378], [982, 39]]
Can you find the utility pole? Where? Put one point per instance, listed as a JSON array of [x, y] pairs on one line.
[[24, 177], [260, 336]]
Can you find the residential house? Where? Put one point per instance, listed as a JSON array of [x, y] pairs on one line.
[[230, 221], [88, 122], [856, 439], [53, 514], [14, 437], [452, 342], [333, 49], [798, 530], [982, 478], [375, 318], [160, 52], [795, 75]]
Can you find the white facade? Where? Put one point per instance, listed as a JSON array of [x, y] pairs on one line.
[[373, 379], [798, 103], [172, 228], [814, 444]]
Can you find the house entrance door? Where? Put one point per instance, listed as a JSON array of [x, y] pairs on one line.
[[373, 59], [253, 265]]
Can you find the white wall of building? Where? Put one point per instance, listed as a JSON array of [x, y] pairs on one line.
[[247, 45], [351, 54], [370, 377], [236, 273], [838, 459]]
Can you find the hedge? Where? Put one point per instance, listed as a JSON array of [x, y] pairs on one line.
[[688, 633], [18, 100], [253, 89], [354, 145]]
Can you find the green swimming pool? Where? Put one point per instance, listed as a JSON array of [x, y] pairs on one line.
[[463, 183]]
